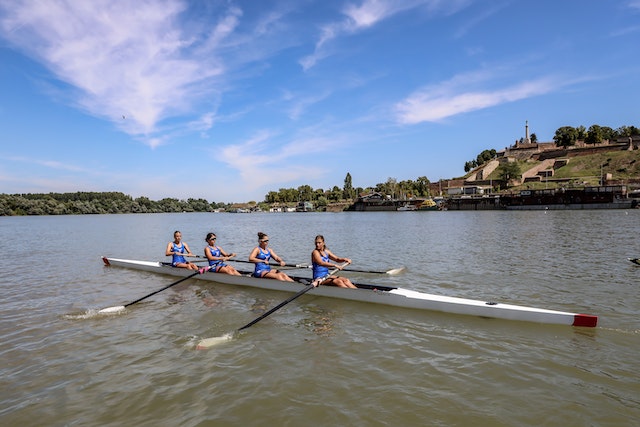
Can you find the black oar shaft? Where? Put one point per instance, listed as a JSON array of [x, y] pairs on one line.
[[288, 300], [277, 307], [166, 287]]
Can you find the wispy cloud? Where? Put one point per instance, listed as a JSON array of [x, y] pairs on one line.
[[367, 14], [260, 159], [619, 32], [137, 60], [487, 12], [49, 164], [301, 103], [459, 95]]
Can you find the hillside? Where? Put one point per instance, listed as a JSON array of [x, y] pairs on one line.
[[618, 167]]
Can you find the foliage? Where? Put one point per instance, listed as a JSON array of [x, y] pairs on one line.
[[508, 171], [95, 203], [347, 190], [566, 136], [481, 159], [116, 202]]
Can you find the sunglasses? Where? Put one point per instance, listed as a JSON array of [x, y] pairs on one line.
[[265, 241]]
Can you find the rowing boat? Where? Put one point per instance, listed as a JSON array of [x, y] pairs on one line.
[[378, 294]]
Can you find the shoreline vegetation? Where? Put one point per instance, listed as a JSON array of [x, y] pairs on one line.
[[526, 165]]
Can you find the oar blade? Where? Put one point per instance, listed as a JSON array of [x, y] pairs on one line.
[[395, 271], [112, 310], [213, 341]]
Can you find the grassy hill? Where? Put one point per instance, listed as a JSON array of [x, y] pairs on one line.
[[586, 170]]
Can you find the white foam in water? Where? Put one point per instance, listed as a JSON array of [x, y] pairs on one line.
[[210, 342]]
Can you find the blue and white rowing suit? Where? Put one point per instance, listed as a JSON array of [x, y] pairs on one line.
[[177, 258], [218, 263], [321, 270], [262, 268]]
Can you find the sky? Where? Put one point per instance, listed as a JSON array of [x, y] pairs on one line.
[[228, 100]]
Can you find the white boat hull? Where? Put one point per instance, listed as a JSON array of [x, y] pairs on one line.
[[380, 295]]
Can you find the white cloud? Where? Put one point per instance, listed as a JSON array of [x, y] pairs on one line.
[[132, 59], [367, 14], [261, 160], [437, 102], [302, 103]]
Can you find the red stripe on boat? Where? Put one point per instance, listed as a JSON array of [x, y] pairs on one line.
[[585, 320]]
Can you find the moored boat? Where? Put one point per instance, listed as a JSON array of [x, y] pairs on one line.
[[379, 294], [428, 205], [406, 207], [602, 197]]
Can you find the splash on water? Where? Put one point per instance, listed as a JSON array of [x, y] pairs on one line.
[[210, 342], [91, 313]]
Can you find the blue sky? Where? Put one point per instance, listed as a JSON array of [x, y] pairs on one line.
[[228, 100]]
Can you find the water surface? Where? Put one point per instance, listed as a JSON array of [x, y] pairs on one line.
[[321, 361]]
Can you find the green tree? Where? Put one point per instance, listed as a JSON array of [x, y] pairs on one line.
[[422, 186], [470, 165], [347, 192], [566, 136], [582, 132], [335, 194], [608, 133], [508, 171], [305, 193], [485, 156], [595, 135], [627, 131]]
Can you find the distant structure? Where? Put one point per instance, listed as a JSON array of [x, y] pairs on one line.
[[527, 139]]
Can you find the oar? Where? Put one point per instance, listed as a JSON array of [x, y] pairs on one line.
[[209, 342], [391, 272], [204, 258], [118, 308]]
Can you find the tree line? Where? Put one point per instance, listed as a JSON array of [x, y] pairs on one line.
[[567, 136], [321, 197], [96, 203], [81, 203]]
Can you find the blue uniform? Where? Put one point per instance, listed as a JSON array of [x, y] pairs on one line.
[[261, 268], [321, 270], [177, 258], [218, 263]]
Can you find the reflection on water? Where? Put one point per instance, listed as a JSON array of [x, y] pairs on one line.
[[331, 361], [318, 320]]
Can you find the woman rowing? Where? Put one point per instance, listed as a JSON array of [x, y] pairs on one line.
[[178, 249], [321, 258], [260, 256], [217, 256]]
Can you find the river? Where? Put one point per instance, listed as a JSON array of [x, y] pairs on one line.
[[320, 361]]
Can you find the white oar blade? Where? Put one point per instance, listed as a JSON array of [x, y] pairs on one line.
[[395, 271], [112, 310], [210, 342]]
